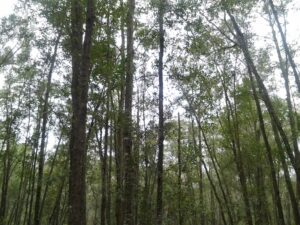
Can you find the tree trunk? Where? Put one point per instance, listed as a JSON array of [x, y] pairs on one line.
[[235, 147], [287, 177], [264, 93], [80, 53], [103, 156], [127, 129], [277, 127], [119, 124], [179, 162], [159, 200], [284, 71], [285, 46], [268, 155], [41, 160]]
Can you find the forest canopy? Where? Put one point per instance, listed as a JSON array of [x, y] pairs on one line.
[[141, 112]]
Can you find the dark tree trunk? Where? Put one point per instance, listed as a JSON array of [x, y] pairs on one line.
[[220, 183], [285, 46], [268, 155], [80, 81], [159, 200], [179, 162], [264, 94], [32, 176], [38, 209], [235, 147], [287, 177], [128, 128], [136, 155], [119, 124], [6, 175], [104, 171], [109, 175], [145, 217], [214, 189], [284, 71], [277, 127]]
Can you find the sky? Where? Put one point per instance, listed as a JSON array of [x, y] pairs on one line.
[[7, 7]]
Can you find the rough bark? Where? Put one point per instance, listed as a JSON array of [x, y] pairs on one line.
[[80, 53]]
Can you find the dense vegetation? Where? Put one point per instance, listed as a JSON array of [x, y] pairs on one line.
[[144, 112]]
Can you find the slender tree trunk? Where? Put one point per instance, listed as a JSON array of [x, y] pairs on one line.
[[109, 175], [235, 147], [103, 156], [285, 45], [264, 94], [45, 113], [128, 128], [8, 142], [22, 185], [50, 175], [287, 177], [284, 71], [201, 188], [159, 203], [215, 193], [277, 127], [136, 155], [145, 217], [212, 208], [220, 183], [6, 174], [119, 148], [55, 214], [269, 155], [32, 176], [179, 162]]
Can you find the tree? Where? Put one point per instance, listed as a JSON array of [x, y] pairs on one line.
[[128, 127], [160, 159], [80, 51]]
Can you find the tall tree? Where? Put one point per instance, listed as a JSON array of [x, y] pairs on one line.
[[81, 64], [179, 162], [160, 160], [128, 127], [45, 115]]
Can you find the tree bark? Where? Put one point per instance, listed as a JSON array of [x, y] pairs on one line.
[[128, 128], [41, 160], [119, 124], [80, 53], [104, 172], [159, 200]]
